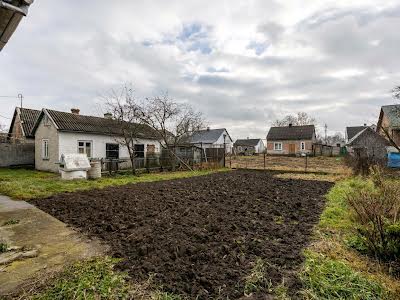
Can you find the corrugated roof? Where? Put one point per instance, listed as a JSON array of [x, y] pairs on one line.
[[352, 131], [247, 142], [207, 136], [89, 124], [305, 132], [28, 117], [393, 114]]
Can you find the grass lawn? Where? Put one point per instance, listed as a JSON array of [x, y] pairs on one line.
[[24, 184], [334, 269]]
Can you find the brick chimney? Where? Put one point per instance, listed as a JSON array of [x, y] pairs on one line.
[[75, 111], [290, 124], [108, 115]]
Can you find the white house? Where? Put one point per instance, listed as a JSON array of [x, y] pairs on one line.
[[57, 133], [249, 146], [212, 138]]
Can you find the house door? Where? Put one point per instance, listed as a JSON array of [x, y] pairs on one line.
[[292, 149]]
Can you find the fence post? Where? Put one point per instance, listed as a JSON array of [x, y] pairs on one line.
[[264, 161], [306, 163]]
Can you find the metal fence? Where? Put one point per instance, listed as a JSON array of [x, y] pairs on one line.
[[183, 157]]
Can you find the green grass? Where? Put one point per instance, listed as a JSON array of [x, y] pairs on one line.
[[334, 267], [11, 222], [326, 278], [3, 247], [94, 279], [336, 215], [29, 184]]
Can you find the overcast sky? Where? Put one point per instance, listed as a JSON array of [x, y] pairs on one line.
[[242, 63]]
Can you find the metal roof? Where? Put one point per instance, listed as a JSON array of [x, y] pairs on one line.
[[352, 131], [305, 132], [207, 136], [368, 130], [392, 112], [247, 142], [11, 13]]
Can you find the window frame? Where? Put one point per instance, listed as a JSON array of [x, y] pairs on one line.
[[115, 151], [45, 149], [278, 148], [84, 147], [303, 146], [135, 151]]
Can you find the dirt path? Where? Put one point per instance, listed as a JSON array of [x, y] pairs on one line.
[[39, 244], [201, 237]]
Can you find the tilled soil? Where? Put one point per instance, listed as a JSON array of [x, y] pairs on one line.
[[200, 237]]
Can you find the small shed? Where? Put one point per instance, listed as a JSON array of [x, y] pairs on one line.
[[371, 143]]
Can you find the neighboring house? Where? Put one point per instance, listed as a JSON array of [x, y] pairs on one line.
[[291, 140], [57, 133], [11, 13], [212, 138], [389, 120], [370, 143], [22, 123], [353, 130], [249, 146]]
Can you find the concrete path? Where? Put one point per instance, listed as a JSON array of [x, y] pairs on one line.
[[38, 245]]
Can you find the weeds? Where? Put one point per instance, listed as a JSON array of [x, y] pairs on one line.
[[3, 247], [257, 281], [11, 222], [93, 279], [376, 215], [325, 278]]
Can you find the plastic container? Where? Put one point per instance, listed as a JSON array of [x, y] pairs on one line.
[[394, 160]]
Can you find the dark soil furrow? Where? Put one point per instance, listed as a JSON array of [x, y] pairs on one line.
[[200, 236]]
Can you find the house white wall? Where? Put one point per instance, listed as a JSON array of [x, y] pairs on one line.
[[68, 143], [260, 147]]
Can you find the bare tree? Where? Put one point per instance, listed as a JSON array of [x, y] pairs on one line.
[[396, 92], [127, 122], [300, 119], [174, 122]]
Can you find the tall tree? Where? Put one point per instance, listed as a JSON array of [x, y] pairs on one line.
[[300, 119], [126, 113], [174, 122]]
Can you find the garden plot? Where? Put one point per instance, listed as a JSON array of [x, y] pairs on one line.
[[221, 235]]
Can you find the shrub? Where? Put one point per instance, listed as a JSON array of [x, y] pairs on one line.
[[377, 216]]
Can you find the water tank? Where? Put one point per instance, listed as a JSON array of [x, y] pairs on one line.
[[394, 160]]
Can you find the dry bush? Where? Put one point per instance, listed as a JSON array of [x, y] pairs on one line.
[[362, 164], [377, 215]]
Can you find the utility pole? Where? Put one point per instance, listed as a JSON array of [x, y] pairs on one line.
[[326, 134], [20, 98]]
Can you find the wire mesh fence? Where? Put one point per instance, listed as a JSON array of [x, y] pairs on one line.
[[186, 157]]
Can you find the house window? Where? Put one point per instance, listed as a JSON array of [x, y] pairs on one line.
[[139, 150], [85, 147], [112, 151], [278, 146], [45, 149], [303, 146]]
